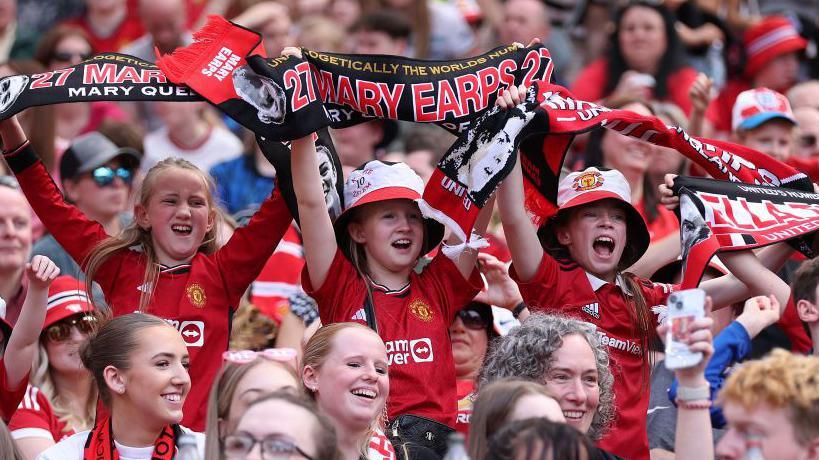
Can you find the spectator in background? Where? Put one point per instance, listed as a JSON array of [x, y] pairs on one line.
[[109, 24], [805, 94], [62, 47], [644, 60], [15, 246], [807, 132], [246, 180], [772, 408], [762, 120], [772, 49], [439, 32], [381, 31], [320, 33], [190, 132], [535, 438], [345, 13], [363, 142], [15, 42], [96, 177], [271, 19]]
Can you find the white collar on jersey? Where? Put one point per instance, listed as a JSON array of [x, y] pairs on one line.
[[597, 283]]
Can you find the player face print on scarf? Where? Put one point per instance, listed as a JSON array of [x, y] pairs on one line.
[[262, 93], [329, 177], [693, 228], [10, 89]]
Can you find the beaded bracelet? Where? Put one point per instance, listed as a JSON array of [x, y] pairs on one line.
[[693, 405]]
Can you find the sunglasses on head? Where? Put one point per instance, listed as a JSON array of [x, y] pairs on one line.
[[282, 355], [61, 330], [105, 175], [68, 55], [473, 319]]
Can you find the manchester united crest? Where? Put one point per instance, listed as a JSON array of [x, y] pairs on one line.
[[588, 181], [420, 310], [196, 295]]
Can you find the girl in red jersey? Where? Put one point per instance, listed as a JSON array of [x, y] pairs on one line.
[[578, 269], [167, 262]]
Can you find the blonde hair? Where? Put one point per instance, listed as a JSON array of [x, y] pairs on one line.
[[42, 379], [134, 235], [781, 380]]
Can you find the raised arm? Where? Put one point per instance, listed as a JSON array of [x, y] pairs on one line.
[[22, 346], [317, 229]]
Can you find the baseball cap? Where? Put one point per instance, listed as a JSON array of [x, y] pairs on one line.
[[591, 185], [92, 150], [771, 37], [66, 297], [756, 106], [380, 181]]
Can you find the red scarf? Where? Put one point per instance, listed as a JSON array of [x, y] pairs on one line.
[[100, 443]]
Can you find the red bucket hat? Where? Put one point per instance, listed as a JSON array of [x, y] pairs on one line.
[[66, 297], [773, 36]]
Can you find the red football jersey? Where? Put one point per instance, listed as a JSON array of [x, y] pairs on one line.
[[9, 397], [414, 323], [35, 418], [197, 298], [567, 288]]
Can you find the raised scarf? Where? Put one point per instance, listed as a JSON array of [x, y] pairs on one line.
[[100, 442]]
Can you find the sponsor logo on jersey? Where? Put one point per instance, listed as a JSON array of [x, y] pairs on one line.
[[196, 295], [628, 346], [193, 332], [421, 310], [410, 351], [592, 309]]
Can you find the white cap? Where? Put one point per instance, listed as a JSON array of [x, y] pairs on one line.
[[758, 105]]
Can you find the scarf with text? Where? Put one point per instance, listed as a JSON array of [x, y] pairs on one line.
[[727, 216], [100, 442]]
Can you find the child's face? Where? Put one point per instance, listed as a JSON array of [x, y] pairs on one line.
[[178, 213], [392, 233], [595, 235], [774, 138]]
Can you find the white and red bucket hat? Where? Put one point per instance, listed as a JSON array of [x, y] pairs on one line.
[[380, 181], [66, 297], [592, 185]]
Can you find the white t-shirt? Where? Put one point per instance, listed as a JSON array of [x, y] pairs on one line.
[[220, 145], [71, 448]]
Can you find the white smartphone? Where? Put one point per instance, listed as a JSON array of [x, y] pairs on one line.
[[683, 308]]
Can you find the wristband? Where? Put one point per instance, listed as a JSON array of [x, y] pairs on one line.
[[518, 309], [693, 393], [698, 404]]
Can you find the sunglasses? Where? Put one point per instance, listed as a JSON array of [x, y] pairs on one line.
[[807, 140], [66, 56], [61, 331], [282, 355], [240, 445], [472, 319], [105, 175]]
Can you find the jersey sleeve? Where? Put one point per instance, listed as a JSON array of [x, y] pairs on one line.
[[657, 293], [333, 297], [244, 255], [453, 292], [70, 227], [33, 417], [538, 292], [9, 397]]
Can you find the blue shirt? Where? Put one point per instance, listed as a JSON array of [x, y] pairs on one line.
[[239, 185]]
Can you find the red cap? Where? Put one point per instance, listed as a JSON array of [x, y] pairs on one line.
[[66, 297], [773, 36]]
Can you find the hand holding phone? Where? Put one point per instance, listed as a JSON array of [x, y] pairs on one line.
[[684, 307]]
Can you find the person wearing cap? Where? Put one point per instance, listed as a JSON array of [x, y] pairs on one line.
[[762, 120], [772, 50], [60, 399], [97, 177], [19, 345], [361, 268]]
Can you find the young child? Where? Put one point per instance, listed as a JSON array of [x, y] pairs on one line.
[[595, 235], [21, 342], [166, 262], [762, 120], [804, 288], [362, 270]]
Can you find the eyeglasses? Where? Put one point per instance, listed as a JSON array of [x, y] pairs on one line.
[[61, 331], [105, 175], [807, 140], [66, 56], [283, 355], [472, 319], [239, 445]]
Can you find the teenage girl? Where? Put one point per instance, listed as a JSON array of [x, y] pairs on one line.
[[595, 235], [366, 263], [166, 262]]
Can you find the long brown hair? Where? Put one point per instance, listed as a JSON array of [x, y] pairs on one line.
[[134, 235]]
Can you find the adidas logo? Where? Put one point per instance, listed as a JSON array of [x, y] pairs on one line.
[[359, 316], [592, 309]]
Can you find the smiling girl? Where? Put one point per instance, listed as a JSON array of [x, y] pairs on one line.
[[140, 365], [167, 261]]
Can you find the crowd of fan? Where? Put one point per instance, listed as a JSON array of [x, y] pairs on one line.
[[155, 291]]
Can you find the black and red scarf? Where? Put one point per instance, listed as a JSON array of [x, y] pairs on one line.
[[100, 442]]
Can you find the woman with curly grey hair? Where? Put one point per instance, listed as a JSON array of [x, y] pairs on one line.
[[566, 356]]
